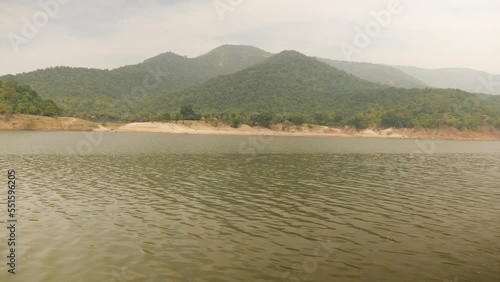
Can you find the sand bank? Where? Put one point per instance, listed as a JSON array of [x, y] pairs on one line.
[[195, 127], [39, 123]]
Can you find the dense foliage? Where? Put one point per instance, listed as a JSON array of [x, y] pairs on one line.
[[291, 87], [131, 92], [241, 85], [16, 98]]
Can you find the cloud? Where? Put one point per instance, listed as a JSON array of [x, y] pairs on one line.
[[112, 33]]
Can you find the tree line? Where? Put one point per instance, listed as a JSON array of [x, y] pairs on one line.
[[17, 98]]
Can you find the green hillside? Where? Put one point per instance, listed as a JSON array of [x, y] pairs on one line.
[[131, 92], [382, 74], [290, 84], [245, 84], [21, 99], [288, 81]]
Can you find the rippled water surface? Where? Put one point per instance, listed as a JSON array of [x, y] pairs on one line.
[[146, 207]]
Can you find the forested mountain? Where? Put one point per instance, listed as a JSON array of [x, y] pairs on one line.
[[131, 91], [21, 99], [465, 79], [246, 84], [382, 74], [291, 84], [288, 81]]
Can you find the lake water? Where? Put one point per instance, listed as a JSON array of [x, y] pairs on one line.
[[152, 207]]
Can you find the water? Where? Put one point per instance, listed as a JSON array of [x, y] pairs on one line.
[[150, 207]]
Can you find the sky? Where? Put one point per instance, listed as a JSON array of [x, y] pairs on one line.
[[108, 34]]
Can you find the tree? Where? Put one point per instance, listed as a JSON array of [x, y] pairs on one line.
[[187, 113], [297, 119], [235, 122], [166, 116], [263, 119], [50, 108]]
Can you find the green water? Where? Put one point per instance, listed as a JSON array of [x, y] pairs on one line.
[[151, 207]]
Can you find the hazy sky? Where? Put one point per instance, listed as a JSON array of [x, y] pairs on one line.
[[112, 33]]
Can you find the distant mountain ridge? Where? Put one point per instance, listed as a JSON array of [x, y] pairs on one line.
[[382, 74], [469, 80]]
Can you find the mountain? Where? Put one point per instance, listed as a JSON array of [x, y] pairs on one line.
[[130, 92], [460, 78], [291, 84], [382, 74], [288, 81], [469, 80], [254, 86]]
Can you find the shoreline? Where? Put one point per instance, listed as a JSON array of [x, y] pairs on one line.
[[204, 128], [38, 123]]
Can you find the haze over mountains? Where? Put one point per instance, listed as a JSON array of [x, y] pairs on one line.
[[382, 74], [469, 80], [245, 80]]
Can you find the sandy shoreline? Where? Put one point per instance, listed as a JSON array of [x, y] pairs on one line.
[[37, 123], [195, 127]]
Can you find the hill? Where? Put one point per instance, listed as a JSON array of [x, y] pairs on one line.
[[130, 92], [288, 81], [293, 87], [245, 84], [469, 80], [459, 78], [382, 74]]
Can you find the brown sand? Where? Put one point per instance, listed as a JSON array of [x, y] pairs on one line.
[[38, 123], [195, 127]]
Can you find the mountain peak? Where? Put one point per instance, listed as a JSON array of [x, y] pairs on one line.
[[292, 58], [291, 53], [168, 56], [236, 50]]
